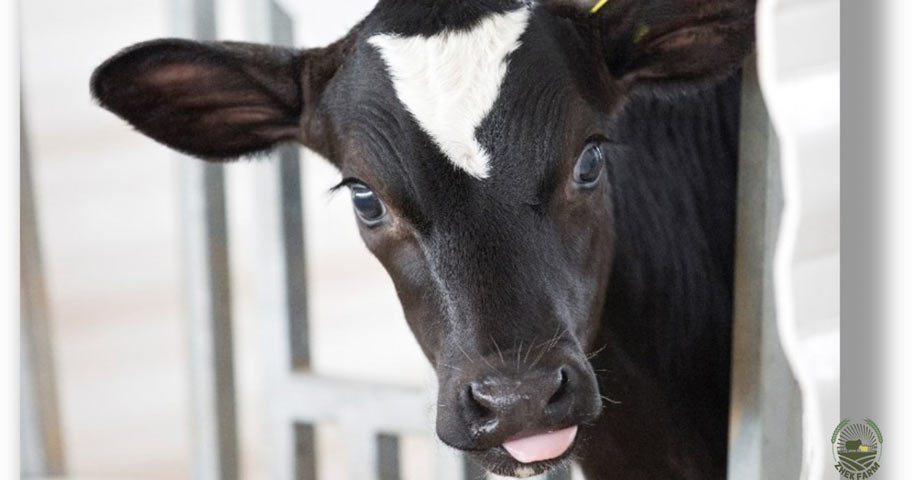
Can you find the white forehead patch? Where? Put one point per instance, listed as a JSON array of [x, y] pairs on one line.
[[451, 80]]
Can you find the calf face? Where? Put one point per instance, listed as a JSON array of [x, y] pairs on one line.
[[471, 136]]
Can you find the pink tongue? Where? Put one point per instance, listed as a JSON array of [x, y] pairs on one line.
[[541, 447]]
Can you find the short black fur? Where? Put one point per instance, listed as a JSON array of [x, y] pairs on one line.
[[667, 324]]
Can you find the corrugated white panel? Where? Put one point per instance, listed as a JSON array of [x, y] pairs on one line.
[[799, 63]]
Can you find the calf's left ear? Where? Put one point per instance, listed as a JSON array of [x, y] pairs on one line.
[[668, 41], [219, 100]]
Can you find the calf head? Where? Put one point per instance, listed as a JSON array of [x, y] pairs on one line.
[[471, 136]]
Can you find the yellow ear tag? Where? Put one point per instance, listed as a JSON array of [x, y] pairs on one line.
[[598, 6], [642, 31]]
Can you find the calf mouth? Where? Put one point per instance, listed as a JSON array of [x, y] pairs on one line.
[[519, 422], [533, 454]]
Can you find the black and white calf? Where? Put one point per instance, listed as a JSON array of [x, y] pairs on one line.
[[552, 193]]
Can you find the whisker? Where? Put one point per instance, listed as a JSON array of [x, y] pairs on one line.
[[557, 338], [596, 352], [483, 359], [550, 344], [525, 360], [541, 344], [519, 356], [538, 357], [611, 401], [464, 353], [499, 352]]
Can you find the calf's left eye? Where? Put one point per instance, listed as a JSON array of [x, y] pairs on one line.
[[589, 166], [370, 209]]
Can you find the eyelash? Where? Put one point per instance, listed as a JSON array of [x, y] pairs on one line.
[[346, 182]]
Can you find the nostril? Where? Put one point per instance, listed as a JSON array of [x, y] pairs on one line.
[[478, 404], [562, 381]]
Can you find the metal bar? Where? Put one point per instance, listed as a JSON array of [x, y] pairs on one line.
[[315, 399], [291, 199], [209, 313], [281, 457], [293, 222], [42, 450], [387, 462], [765, 394], [291, 204], [294, 250], [282, 289], [208, 297], [306, 466]]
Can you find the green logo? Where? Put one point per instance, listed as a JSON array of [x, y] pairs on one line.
[[857, 448]]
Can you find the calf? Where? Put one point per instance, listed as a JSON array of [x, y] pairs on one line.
[[551, 191]]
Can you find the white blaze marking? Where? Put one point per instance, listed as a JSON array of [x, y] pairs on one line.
[[451, 80]]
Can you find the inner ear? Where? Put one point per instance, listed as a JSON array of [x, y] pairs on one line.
[[211, 100]]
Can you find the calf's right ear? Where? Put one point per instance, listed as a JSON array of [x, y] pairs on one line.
[[220, 100]]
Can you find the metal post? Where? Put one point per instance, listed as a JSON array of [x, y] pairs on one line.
[[291, 201], [282, 298], [306, 466], [387, 462], [209, 314], [41, 448], [208, 298]]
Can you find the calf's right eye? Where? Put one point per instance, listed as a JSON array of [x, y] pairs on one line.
[[370, 209], [589, 166]]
